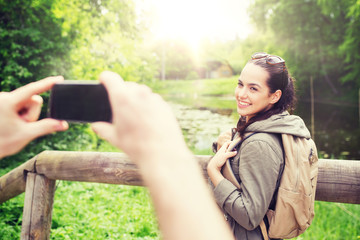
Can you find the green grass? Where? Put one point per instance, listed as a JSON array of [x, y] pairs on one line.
[[90, 211], [102, 211], [105, 211], [206, 87], [334, 221], [10, 218]]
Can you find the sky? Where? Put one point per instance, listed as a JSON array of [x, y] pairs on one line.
[[192, 20]]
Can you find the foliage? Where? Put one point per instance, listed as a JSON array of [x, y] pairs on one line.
[[350, 48], [310, 33], [107, 38], [31, 47]]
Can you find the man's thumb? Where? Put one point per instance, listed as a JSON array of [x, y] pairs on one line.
[[46, 126], [105, 130]]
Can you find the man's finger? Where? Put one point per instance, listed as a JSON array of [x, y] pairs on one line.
[[104, 130], [31, 111], [110, 80], [25, 92], [45, 126]]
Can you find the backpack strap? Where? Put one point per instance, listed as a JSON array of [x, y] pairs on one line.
[[264, 230], [238, 141], [226, 170], [264, 225]]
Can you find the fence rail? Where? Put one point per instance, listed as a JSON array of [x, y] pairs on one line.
[[338, 181]]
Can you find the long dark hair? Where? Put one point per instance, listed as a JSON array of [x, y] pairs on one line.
[[279, 78]]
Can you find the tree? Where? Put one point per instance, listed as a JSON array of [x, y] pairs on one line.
[[310, 33], [31, 47], [350, 48], [76, 39], [107, 37]]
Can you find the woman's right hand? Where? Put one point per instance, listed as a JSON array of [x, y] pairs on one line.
[[223, 138], [217, 162]]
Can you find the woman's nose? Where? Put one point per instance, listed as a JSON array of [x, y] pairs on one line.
[[241, 93]]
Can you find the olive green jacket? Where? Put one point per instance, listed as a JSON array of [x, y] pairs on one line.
[[257, 166]]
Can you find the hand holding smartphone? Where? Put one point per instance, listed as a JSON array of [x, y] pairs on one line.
[[80, 101]]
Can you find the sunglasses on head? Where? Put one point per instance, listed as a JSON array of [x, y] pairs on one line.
[[270, 59]]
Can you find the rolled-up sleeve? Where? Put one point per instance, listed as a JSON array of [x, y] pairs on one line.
[[259, 168]]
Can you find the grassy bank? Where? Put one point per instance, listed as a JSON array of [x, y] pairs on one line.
[[206, 87], [199, 93]]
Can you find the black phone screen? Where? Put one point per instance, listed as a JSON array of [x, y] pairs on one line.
[[80, 101]]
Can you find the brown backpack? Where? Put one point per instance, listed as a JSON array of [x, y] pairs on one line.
[[294, 208]]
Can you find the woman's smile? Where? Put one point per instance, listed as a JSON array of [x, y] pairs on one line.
[[242, 104]]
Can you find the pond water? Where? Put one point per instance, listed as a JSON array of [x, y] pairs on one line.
[[201, 127], [337, 131]]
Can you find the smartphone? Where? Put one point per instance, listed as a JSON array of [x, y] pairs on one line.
[[79, 101]]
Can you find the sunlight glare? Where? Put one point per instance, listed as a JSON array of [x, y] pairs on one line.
[[193, 20]]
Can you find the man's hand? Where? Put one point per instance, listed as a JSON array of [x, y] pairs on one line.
[[143, 123], [19, 112]]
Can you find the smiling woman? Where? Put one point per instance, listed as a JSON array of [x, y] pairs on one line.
[[195, 20], [262, 102]]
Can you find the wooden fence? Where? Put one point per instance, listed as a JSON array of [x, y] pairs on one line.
[[338, 181]]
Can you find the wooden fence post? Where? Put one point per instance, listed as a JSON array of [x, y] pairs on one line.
[[39, 198]]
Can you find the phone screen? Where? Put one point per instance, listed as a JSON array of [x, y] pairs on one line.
[[80, 101]]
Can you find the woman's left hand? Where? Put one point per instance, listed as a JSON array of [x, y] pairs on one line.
[[217, 162]]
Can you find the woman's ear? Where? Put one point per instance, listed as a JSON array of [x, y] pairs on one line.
[[275, 97]]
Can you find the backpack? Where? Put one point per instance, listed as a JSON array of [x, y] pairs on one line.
[[294, 207]]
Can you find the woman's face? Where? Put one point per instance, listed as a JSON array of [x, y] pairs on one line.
[[252, 92]]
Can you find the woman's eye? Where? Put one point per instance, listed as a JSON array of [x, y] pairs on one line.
[[240, 84], [253, 89]]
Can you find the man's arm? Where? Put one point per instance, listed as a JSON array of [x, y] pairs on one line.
[[145, 128]]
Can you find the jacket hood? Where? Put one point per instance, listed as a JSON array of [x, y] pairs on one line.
[[281, 123]]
